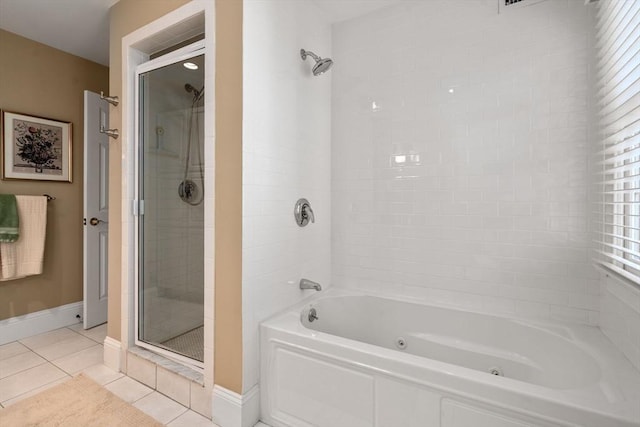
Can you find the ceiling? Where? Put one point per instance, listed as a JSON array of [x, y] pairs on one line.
[[81, 27]]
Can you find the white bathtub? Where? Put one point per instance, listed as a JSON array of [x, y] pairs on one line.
[[371, 361]]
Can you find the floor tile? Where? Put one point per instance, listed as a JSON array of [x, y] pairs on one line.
[[97, 333], [25, 381], [76, 362], [191, 419], [76, 327], [11, 349], [102, 374], [20, 362], [33, 392], [65, 347], [160, 407], [48, 338], [128, 390]]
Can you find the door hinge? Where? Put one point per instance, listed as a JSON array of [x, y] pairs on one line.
[[138, 207]]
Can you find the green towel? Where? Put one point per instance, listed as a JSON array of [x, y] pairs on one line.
[[9, 231]]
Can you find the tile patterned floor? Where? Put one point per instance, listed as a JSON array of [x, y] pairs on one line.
[[36, 363], [190, 344]]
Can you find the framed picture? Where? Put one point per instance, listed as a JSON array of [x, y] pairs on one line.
[[35, 148]]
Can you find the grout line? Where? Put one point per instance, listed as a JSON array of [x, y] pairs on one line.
[[181, 414], [99, 342], [43, 385], [31, 367], [108, 382], [27, 349], [142, 397], [34, 366], [73, 354]]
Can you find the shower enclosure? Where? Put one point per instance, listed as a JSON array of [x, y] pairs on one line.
[[170, 291]]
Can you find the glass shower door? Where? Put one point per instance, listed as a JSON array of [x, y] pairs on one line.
[[171, 225]]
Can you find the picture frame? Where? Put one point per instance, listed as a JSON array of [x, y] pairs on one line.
[[36, 148]]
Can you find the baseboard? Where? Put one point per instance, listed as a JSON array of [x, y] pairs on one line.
[[113, 354], [16, 328], [231, 409]]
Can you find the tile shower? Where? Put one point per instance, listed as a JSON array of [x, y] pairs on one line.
[[460, 156]]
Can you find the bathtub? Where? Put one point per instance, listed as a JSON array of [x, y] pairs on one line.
[[373, 361]]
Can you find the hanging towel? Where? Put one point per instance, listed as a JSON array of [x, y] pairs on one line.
[[9, 231], [24, 257]]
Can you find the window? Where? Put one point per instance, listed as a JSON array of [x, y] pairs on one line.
[[618, 207]]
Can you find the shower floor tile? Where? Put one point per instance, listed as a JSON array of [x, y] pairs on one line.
[[190, 344]]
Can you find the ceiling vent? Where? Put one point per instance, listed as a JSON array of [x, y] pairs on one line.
[[507, 5]]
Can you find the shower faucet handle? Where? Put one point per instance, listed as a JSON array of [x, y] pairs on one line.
[[303, 213], [307, 213]]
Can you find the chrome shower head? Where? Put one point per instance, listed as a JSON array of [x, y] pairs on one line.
[[322, 64]]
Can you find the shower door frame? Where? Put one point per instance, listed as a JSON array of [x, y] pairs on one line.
[[176, 56]]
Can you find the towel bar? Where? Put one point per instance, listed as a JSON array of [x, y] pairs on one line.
[[49, 198]]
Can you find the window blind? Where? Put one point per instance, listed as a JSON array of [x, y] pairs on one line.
[[618, 162]]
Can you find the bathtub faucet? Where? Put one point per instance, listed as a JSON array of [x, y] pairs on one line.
[[308, 284]]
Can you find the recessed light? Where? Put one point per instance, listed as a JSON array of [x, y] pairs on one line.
[[190, 66]]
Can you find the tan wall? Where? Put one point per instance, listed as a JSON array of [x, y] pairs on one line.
[[42, 81], [126, 16], [228, 310]]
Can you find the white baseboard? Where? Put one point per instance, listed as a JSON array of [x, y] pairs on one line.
[[16, 328], [113, 354], [231, 409]]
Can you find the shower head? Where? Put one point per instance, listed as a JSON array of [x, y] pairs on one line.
[[196, 93], [322, 64]]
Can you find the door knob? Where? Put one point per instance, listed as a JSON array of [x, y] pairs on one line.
[[95, 221]]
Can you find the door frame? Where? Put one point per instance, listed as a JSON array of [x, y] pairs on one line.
[[195, 49], [136, 49]]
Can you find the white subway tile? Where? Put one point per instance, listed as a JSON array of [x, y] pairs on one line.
[[495, 216]]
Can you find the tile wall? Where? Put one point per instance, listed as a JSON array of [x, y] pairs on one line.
[[460, 156], [620, 316], [286, 156]]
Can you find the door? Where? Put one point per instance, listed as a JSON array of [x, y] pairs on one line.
[[96, 209], [170, 243]]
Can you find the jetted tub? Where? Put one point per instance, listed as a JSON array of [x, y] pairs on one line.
[[372, 361]]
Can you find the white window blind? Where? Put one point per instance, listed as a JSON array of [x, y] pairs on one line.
[[618, 205]]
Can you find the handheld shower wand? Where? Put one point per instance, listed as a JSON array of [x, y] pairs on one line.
[[196, 93]]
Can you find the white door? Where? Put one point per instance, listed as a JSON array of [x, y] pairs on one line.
[[96, 209]]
